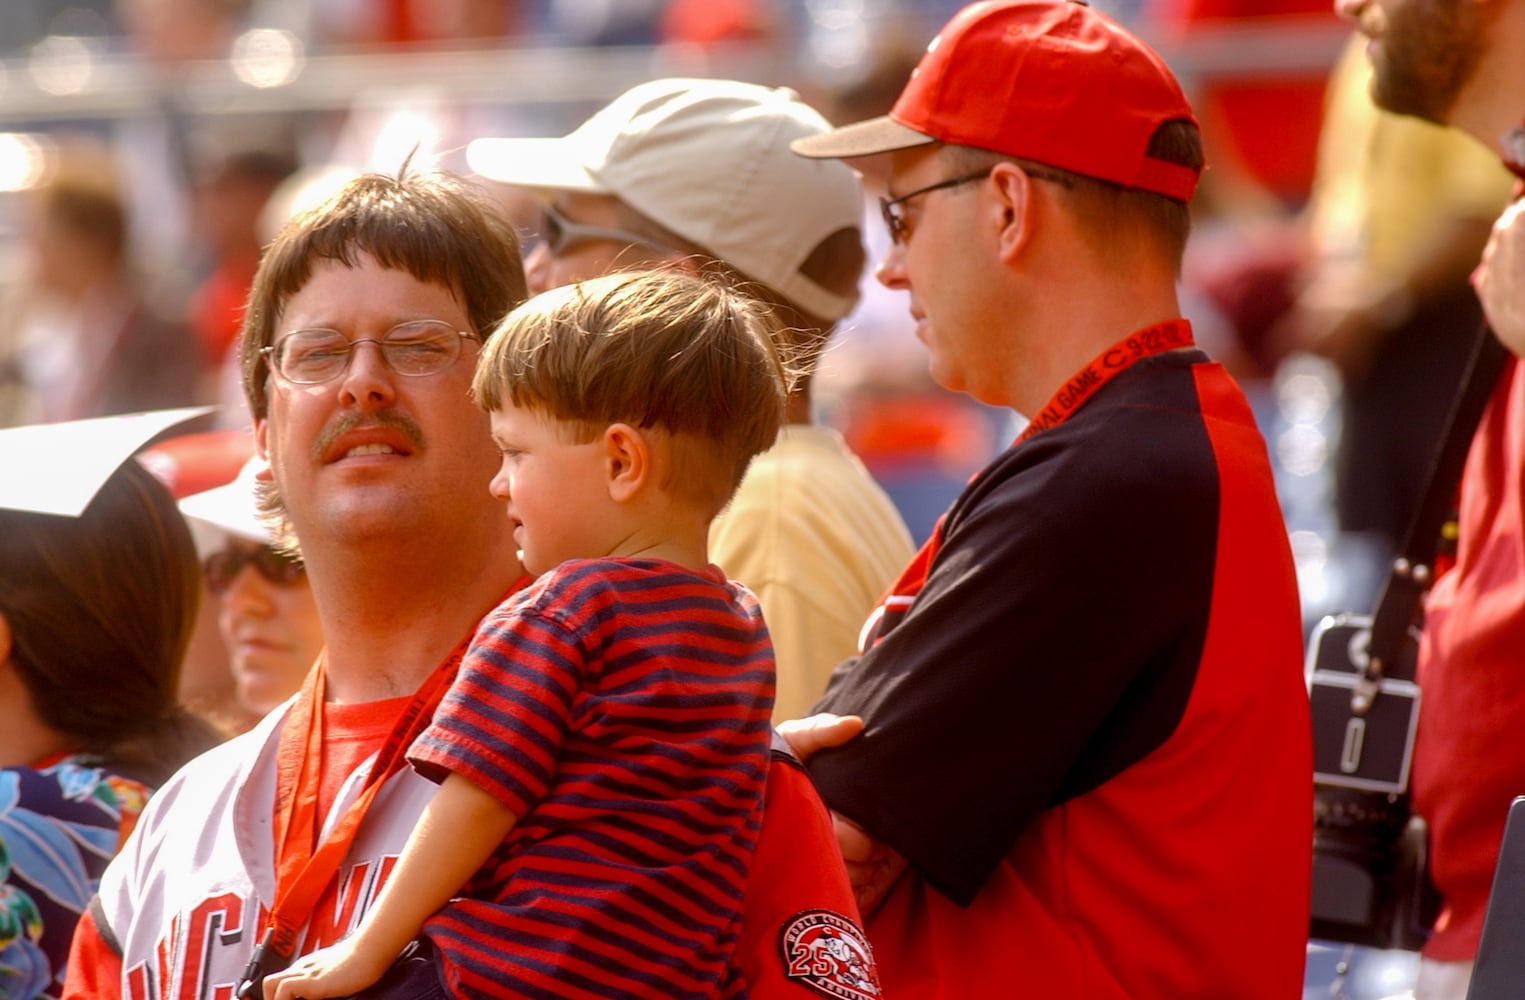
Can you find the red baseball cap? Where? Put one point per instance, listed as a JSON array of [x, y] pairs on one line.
[[1052, 81]]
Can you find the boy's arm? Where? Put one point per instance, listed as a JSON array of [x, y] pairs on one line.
[[459, 829]]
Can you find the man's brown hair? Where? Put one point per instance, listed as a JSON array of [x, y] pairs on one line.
[[432, 225]]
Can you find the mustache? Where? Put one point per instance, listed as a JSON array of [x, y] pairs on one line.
[[353, 421]]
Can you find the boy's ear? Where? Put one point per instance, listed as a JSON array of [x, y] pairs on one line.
[[627, 461]]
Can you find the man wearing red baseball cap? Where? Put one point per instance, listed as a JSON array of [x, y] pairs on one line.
[[1085, 764]]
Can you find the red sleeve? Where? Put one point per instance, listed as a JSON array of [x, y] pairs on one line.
[[801, 936], [95, 967]]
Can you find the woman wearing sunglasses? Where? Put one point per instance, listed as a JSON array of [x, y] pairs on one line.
[[265, 610]]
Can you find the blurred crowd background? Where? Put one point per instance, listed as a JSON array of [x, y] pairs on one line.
[[149, 148]]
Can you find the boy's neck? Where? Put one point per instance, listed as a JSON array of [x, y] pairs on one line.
[[674, 547]]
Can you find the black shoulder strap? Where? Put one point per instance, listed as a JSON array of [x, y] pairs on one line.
[[1412, 571]]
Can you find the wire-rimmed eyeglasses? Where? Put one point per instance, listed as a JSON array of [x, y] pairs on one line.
[[894, 214], [414, 348]]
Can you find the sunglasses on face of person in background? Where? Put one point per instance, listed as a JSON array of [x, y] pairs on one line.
[[222, 568], [561, 233]]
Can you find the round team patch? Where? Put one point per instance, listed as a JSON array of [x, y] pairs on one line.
[[828, 953]]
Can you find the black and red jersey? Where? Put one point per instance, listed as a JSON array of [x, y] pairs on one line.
[[1087, 726]]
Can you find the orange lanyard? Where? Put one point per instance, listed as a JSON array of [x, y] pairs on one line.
[[1081, 386], [304, 866]]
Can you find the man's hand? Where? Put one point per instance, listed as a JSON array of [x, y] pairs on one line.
[[1500, 278], [817, 732], [872, 866]]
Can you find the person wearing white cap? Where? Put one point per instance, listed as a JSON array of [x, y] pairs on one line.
[[98, 593], [266, 613], [698, 173]]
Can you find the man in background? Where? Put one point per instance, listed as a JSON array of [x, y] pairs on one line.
[[1454, 62], [698, 174]]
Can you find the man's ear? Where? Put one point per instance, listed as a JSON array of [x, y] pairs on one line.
[[627, 460], [261, 448], [5, 640], [1014, 200]]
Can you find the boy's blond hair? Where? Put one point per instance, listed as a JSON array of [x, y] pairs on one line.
[[658, 349]]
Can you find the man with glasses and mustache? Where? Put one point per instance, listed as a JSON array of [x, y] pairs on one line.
[[1456, 62], [1085, 766], [698, 174], [361, 337], [359, 344]]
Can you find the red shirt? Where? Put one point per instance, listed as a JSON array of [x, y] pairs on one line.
[[1468, 761]]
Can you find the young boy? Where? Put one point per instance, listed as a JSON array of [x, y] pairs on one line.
[[603, 749]]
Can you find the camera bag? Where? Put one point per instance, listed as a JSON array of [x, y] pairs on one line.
[[1370, 877]]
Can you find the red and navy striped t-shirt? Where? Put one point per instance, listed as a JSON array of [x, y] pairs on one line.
[[620, 708]]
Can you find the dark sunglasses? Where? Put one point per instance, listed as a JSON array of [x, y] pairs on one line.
[[222, 568], [562, 233]]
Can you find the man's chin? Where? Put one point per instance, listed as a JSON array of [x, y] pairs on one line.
[[1415, 102]]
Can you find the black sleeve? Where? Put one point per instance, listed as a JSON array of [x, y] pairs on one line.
[[1054, 644]]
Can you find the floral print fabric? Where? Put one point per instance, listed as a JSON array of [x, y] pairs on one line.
[[59, 826]]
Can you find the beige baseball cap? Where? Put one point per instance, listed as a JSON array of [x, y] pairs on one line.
[[710, 161]]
